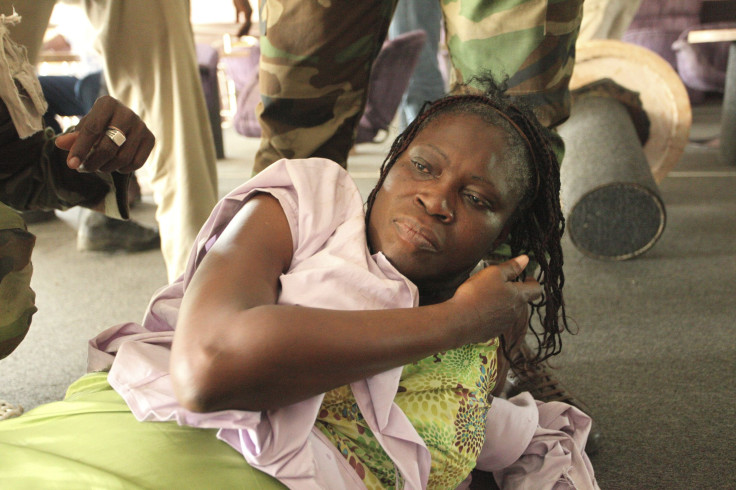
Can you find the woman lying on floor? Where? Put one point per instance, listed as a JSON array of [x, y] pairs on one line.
[[337, 346]]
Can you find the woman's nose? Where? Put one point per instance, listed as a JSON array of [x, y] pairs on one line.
[[437, 203]]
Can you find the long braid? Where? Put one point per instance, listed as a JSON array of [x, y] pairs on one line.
[[538, 225], [539, 232]]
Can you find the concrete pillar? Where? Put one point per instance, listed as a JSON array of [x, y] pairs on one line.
[[611, 202]]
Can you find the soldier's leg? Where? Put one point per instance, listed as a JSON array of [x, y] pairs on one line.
[[530, 41], [17, 299], [426, 83], [606, 19], [16, 245], [315, 64]]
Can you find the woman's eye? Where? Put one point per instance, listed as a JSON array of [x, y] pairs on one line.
[[478, 201], [420, 166]]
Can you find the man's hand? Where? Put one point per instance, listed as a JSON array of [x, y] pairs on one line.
[[91, 150]]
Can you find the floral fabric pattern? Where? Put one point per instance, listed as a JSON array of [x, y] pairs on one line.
[[343, 424], [446, 396]]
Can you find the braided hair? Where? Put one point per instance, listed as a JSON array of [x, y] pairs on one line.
[[537, 225]]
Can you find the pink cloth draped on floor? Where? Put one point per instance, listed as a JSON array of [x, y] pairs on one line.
[[553, 435]]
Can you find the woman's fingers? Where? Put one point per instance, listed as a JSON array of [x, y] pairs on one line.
[[530, 289], [512, 268]]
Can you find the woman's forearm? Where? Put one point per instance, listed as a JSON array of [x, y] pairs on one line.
[[275, 355]]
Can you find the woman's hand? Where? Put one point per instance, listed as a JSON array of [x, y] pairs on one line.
[[493, 302], [91, 149]]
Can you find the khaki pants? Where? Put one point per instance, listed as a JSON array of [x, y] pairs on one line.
[[606, 19], [151, 66]]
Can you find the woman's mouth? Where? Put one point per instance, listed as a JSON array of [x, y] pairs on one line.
[[419, 236]]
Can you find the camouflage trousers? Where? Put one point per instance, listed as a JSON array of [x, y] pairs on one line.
[[316, 57], [17, 299], [33, 175]]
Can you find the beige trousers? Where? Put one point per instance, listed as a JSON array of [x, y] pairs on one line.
[[151, 66], [606, 19]]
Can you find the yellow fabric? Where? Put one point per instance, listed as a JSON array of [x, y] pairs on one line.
[[343, 424], [91, 440]]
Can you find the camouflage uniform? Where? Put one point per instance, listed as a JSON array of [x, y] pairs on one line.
[[16, 296], [316, 57], [34, 175], [151, 66]]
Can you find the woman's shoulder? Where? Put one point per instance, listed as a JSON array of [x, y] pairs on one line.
[[318, 171], [317, 195], [318, 183], [309, 176], [314, 163], [325, 195]]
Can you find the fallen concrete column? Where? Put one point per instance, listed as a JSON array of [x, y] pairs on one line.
[[629, 123], [612, 204]]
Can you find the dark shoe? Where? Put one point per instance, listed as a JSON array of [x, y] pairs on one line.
[[544, 387], [38, 216], [99, 233]]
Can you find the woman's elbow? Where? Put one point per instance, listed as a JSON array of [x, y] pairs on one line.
[[205, 382], [232, 368], [190, 380]]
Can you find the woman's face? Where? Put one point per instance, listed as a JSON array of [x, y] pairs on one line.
[[445, 202]]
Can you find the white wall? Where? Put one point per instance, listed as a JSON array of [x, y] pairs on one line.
[[203, 12], [213, 11]]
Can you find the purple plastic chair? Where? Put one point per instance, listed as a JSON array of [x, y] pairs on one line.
[[390, 76], [703, 66], [207, 59], [242, 68], [662, 26]]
